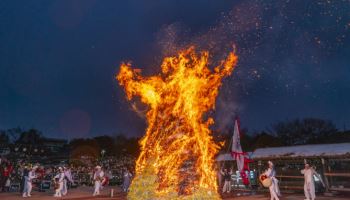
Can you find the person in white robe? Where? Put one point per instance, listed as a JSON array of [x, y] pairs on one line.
[[227, 178], [274, 189], [98, 177], [64, 187], [67, 178], [309, 184], [28, 182], [59, 178]]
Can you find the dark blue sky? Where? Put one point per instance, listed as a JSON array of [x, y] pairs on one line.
[[58, 60]]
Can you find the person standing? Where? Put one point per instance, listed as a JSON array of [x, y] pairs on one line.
[[7, 170], [227, 178], [309, 184], [98, 177], [59, 182], [28, 182], [126, 180], [2, 178], [24, 173], [67, 178], [274, 189]]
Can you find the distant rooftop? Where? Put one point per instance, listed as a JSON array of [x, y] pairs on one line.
[[296, 151], [303, 151]]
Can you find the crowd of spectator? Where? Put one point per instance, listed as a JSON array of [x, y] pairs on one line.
[[11, 172]]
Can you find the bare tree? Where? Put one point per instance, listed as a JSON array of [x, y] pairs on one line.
[[308, 130]]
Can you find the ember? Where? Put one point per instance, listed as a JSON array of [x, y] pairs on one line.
[[177, 151]]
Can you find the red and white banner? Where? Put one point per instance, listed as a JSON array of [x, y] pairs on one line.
[[236, 150], [237, 153]]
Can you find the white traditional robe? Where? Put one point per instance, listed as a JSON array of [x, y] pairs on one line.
[[274, 189], [28, 183], [67, 177], [98, 176], [60, 178], [309, 184]]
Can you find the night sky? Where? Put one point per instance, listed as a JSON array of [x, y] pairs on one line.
[[58, 60]]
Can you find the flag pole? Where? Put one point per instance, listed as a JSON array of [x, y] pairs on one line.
[[228, 148]]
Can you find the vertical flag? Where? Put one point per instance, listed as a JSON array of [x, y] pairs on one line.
[[236, 150], [238, 154]]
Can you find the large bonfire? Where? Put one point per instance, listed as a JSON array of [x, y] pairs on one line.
[[177, 151]]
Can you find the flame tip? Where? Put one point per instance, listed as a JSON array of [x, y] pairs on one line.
[[178, 141]]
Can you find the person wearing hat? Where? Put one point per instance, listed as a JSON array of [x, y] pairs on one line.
[[98, 176], [59, 181], [309, 184], [28, 182], [274, 189]]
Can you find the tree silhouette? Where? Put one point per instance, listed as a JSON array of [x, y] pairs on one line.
[[306, 131], [263, 139], [30, 137], [4, 138]]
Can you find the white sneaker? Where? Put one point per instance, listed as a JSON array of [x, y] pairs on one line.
[[24, 196]]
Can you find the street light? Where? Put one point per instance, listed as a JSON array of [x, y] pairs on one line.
[[103, 152]]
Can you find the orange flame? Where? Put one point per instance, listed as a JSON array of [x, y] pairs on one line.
[[178, 145]]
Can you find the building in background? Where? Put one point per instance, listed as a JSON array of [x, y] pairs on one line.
[[332, 162], [54, 145]]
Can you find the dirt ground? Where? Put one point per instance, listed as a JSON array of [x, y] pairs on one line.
[[289, 196], [85, 193], [82, 193]]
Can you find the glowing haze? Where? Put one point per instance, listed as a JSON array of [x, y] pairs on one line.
[[177, 151]]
